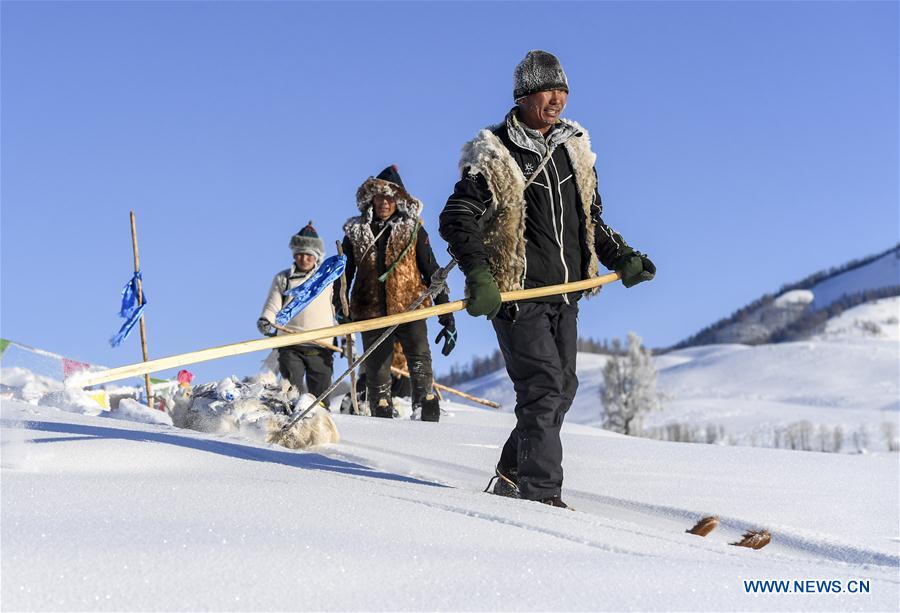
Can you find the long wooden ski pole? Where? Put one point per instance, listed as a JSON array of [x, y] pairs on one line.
[[84, 379], [140, 300], [440, 386], [348, 339]]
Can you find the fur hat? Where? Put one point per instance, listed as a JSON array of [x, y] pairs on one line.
[[540, 71], [389, 183], [307, 241]]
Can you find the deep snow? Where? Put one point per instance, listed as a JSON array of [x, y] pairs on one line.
[[121, 514], [116, 515]]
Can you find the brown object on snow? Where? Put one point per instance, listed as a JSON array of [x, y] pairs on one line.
[[399, 361], [704, 526], [755, 539], [316, 428]]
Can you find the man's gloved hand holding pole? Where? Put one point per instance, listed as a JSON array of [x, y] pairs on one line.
[[634, 267], [483, 293]]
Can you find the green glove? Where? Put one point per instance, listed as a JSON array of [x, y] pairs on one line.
[[484, 295], [634, 268]]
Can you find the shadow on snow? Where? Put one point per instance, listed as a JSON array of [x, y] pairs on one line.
[[305, 459]]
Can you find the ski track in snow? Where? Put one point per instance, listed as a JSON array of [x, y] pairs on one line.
[[664, 520]]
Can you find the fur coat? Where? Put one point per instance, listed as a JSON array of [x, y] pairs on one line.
[[404, 284]]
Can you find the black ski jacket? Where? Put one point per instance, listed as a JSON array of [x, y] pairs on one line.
[[554, 221]]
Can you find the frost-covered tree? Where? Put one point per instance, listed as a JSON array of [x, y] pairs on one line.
[[629, 388]]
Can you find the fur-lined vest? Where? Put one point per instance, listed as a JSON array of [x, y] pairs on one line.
[[369, 296], [504, 221]]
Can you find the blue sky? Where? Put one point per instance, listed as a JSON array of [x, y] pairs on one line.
[[741, 145]]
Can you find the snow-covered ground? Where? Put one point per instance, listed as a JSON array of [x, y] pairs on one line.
[[127, 514], [101, 514], [845, 377]]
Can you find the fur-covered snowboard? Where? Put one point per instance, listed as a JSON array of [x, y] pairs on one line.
[[255, 408]]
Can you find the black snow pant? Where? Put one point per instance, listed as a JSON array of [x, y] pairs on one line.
[[400, 387], [413, 338], [539, 342], [315, 363]]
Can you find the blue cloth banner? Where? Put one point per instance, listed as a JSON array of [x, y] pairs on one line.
[[307, 291], [130, 310]]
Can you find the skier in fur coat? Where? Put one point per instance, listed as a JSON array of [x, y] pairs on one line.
[[389, 265], [506, 237], [306, 360]]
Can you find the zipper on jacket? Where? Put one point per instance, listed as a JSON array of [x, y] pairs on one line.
[[559, 236]]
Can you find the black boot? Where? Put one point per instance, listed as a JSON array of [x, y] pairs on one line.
[[505, 481], [431, 408], [383, 409], [555, 501]]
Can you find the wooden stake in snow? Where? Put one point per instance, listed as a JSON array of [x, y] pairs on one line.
[[140, 300], [348, 340], [132, 370]]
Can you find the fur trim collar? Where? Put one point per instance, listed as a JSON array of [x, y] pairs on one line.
[[532, 140]]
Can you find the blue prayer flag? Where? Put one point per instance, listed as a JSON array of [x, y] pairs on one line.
[[130, 310]]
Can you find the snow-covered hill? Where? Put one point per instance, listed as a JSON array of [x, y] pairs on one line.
[[881, 272], [874, 320], [845, 377], [100, 514], [796, 311]]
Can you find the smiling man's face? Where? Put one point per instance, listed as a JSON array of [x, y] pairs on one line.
[[539, 111]]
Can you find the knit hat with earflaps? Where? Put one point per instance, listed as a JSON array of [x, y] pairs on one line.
[[540, 71], [307, 241], [389, 183]]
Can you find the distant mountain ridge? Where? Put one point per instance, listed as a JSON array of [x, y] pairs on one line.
[[800, 309], [797, 311]]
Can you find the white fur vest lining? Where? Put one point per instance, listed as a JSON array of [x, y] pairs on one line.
[[504, 222]]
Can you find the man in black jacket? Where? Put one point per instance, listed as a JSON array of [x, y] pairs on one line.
[[389, 265], [526, 213]]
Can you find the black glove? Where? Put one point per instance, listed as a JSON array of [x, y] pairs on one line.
[[634, 268], [448, 333], [265, 327], [484, 295]]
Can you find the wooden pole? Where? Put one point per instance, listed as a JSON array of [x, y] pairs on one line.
[[140, 299], [348, 339], [84, 379], [438, 386]]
